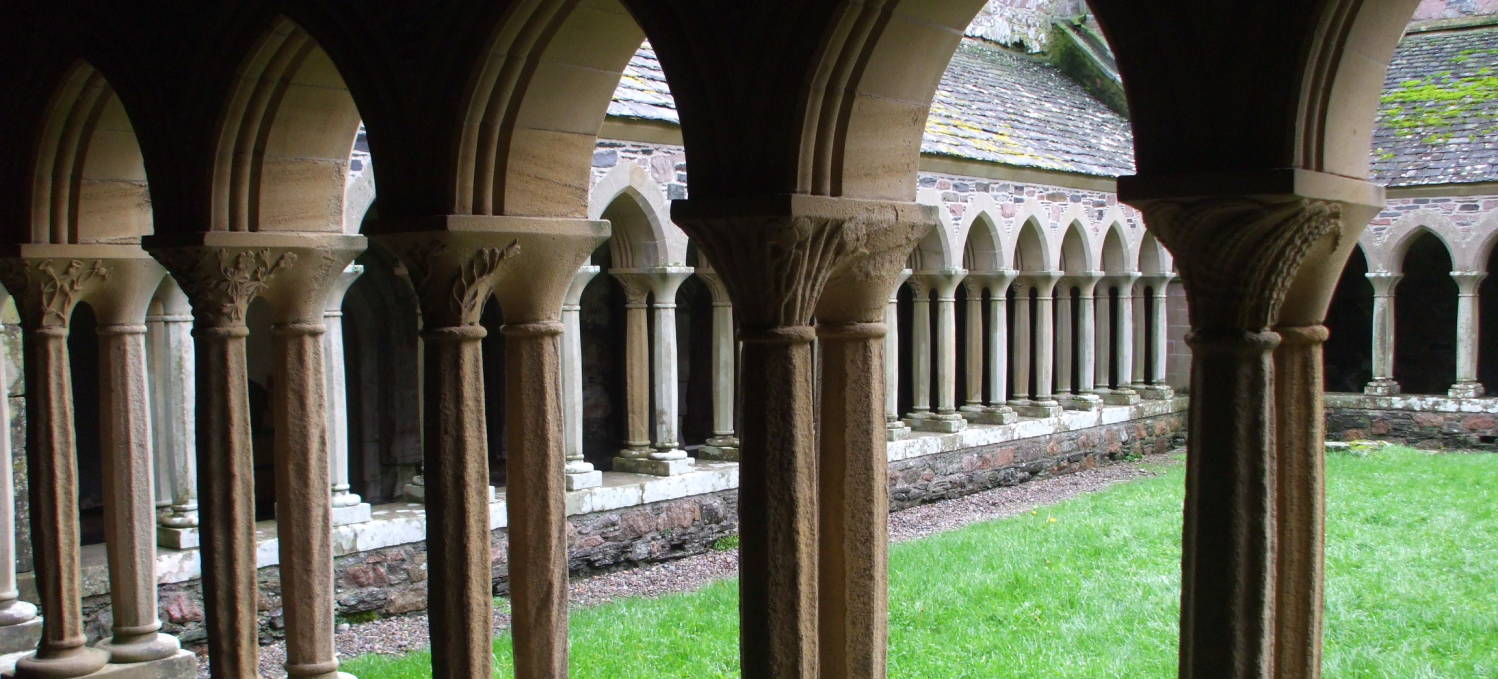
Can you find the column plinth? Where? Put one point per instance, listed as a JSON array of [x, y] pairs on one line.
[[636, 450], [1083, 394], [920, 352], [663, 456], [945, 418], [1123, 392], [1043, 403], [998, 410]]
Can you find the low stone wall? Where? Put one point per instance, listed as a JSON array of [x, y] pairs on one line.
[[1435, 422], [391, 580], [942, 476]]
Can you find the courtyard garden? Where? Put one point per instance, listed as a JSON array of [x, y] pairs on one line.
[[1090, 588]]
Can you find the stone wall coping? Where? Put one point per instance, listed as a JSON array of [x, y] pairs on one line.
[[405, 522], [1415, 402]]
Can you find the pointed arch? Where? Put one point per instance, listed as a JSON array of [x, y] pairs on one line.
[[283, 149], [1114, 255], [1483, 253], [1413, 228], [1031, 252], [1153, 257], [636, 206], [89, 178], [1076, 252], [983, 248]]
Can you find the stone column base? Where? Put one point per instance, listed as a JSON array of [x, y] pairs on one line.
[[943, 423], [177, 538], [21, 637], [914, 418], [1465, 390], [356, 513], [582, 480], [1157, 392], [1081, 401], [998, 415], [724, 448], [972, 412], [1040, 409], [1381, 388], [1121, 397], [181, 665], [645, 465], [896, 430]]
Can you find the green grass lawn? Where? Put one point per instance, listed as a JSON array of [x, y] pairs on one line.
[[1090, 588]]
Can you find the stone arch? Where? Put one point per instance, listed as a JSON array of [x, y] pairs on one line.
[[1349, 320], [983, 248], [89, 179], [283, 148], [1482, 254], [1031, 251], [358, 202], [1153, 257], [1394, 255], [936, 250], [534, 105], [1425, 315], [1113, 255], [636, 207], [1076, 252]]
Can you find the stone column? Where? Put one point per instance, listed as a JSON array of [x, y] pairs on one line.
[[998, 410], [20, 628], [1065, 340], [775, 262], [1138, 371], [528, 264], [946, 418], [723, 444], [973, 408], [1084, 396], [580, 474], [348, 507], [1044, 404], [1103, 371], [895, 427], [221, 283], [636, 370], [1023, 357], [295, 273], [1466, 385], [666, 458], [125, 448], [1383, 383], [920, 352], [1159, 339], [48, 282], [853, 469], [1124, 393], [1260, 271], [173, 402]]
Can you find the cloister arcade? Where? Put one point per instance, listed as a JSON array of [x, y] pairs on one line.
[[184, 163]]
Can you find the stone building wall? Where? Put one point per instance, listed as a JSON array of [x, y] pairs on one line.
[[1428, 422]]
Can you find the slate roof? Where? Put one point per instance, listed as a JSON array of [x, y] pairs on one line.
[[1438, 118], [1438, 122], [1007, 108]]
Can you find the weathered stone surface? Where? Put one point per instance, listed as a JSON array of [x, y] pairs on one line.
[[1453, 430]]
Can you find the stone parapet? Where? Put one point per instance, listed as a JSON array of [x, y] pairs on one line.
[[1420, 421]]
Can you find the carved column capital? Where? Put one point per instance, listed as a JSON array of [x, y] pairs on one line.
[[580, 280], [779, 256], [1239, 254], [661, 281], [223, 272], [1043, 282], [341, 285], [48, 288], [1467, 282], [944, 281], [1086, 281], [1383, 282]]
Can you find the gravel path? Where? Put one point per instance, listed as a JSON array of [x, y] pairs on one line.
[[403, 634]]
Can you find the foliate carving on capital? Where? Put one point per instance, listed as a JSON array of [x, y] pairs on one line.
[[221, 283], [56, 290], [775, 268], [636, 290], [1239, 255], [463, 290]]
